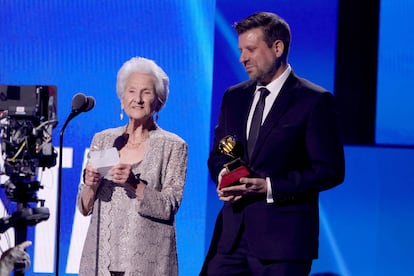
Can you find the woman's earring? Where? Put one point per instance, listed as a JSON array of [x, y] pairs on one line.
[[121, 115]]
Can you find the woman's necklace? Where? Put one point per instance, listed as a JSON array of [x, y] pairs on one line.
[[136, 145]]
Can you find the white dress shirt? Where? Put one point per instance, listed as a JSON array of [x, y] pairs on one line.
[[274, 89]]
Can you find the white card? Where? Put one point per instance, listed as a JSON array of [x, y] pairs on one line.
[[104, 160]]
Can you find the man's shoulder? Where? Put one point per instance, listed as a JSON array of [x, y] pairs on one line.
[[306, 84], [241, 89], [245, 85]]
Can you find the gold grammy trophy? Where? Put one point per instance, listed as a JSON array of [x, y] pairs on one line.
[[235, 168]]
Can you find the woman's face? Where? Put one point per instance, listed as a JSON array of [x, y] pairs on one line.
[[138, 99]]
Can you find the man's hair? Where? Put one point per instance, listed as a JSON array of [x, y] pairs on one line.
[[273, 26]]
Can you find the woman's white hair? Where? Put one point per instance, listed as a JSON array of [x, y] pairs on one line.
[[144, 66]]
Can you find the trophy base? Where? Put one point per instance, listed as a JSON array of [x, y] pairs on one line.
[[233, 176]]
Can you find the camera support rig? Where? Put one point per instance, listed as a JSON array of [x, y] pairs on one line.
[[27, 118]]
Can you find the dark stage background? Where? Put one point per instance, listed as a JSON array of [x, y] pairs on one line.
[[361, 52]]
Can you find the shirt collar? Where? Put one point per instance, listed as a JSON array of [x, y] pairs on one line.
[[276, 84]]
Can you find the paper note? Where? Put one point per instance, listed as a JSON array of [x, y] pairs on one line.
[[104, 160]]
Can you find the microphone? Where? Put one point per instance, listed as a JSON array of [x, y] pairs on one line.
[[91, 103], [78, 101], [82, 103]]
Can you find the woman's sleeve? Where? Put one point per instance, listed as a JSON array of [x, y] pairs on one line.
[[164, 204], [95, 145]]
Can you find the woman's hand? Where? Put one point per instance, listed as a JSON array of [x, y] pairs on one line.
[[120, 173], [91, 177]]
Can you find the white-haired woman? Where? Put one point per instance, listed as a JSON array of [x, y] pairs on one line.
[[132, 230]]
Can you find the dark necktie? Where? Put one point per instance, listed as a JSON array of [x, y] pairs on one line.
[[256, 122]]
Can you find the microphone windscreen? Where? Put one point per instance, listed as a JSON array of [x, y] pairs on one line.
[[91, 103], [78, 102]]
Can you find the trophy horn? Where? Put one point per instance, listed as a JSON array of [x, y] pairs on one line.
[[228, 146]]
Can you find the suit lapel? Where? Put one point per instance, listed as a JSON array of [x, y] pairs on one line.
[[244, 107], [279, 107]]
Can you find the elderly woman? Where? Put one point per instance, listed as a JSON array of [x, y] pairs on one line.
[[132, 230]]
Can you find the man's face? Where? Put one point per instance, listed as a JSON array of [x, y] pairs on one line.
[[259, 61]]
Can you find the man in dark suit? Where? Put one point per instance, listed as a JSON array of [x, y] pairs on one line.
[[269, 223]]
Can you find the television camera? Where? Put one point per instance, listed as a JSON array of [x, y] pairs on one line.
[[27, 118]]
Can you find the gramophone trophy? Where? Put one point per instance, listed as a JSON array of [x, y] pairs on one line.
[[235, 168]]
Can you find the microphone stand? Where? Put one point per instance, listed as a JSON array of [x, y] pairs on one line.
[[72, 115]]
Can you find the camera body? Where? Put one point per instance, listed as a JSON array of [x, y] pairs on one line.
[[27, 118]]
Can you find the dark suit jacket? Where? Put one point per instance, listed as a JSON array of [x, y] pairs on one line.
[[299, 148]]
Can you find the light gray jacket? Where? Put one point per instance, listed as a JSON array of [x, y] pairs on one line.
[[134, 236]]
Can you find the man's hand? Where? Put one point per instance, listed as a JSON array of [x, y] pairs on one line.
[[15, 258], [247, 187]]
